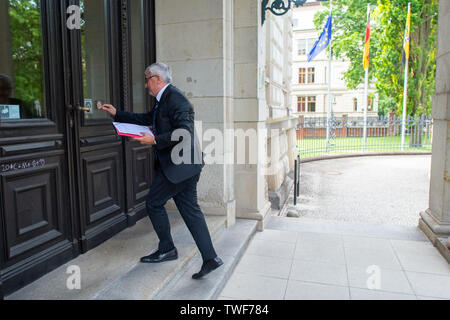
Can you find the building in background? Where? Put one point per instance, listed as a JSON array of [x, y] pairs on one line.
[[310, 79]]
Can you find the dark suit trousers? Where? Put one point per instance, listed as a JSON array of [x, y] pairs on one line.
[[185, 197]]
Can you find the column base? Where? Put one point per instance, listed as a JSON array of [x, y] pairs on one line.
[[436, 232], [262, 215], [279, 197]]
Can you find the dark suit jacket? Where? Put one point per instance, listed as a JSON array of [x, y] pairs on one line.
[[174, 112]]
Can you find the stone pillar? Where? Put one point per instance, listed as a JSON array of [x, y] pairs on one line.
[[6, 63], [250, 109], [200, 53], [435, 221]]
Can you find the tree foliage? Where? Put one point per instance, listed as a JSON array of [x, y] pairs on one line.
[[388, 19]]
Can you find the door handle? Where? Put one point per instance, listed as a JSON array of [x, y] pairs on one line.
[[86, 109], [79, 108]]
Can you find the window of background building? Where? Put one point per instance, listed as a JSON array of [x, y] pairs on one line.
[[301, 47], [355, 104], [301, 104], [302, 75], [311, 75], [312, 104]]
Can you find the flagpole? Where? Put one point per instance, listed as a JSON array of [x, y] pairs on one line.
[[329, 84], [366, 93], [405, 95]]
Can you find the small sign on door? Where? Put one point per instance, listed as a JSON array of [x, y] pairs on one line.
[[9, 111]]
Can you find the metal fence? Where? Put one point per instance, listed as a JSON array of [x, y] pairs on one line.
[[347, 135]]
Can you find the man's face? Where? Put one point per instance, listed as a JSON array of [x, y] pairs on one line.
[[152, 83], [5, 91]]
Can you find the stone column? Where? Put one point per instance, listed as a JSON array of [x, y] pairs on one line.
[[250, 111], [6, 63], [435, 221], [195, 38]]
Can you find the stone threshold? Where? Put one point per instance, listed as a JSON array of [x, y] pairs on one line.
[[112, 271]]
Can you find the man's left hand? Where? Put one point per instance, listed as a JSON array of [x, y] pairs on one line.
[[146, 139]]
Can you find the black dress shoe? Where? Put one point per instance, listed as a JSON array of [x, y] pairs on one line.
[[158, 256], [207, 267]]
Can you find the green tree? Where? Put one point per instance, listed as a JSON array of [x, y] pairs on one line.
[[388, 25]]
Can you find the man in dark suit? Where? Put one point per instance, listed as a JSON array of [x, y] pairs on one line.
[[172, 113]]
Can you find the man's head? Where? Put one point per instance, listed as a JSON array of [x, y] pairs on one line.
[[157, 76], [5, 88]]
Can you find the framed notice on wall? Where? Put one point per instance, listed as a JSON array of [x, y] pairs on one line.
[[9, 111]]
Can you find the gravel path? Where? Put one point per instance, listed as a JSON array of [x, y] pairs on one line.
[[380, 190]]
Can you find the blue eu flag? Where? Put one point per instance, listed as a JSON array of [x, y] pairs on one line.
[[323, 41]]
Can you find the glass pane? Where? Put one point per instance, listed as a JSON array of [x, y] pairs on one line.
[[138, 56], [95, 57], [301, 47], [22, 92]]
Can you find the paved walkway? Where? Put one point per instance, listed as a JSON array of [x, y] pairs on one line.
[[389, 190], [363, 252]]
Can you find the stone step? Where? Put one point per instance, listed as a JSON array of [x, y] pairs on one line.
[[145, 280], [113, 271], [230, 246]]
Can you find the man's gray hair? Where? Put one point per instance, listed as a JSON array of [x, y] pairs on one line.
[[161, 69], [6, 80]]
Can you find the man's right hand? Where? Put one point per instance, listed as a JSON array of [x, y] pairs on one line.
[[109, 108]]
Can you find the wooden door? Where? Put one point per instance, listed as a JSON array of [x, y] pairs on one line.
[[36, 196]]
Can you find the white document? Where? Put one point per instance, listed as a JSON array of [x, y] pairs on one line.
[[131, 130]]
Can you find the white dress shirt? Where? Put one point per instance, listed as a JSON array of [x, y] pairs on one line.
[[158, 97]]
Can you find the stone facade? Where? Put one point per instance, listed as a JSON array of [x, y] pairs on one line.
[[236, 72]]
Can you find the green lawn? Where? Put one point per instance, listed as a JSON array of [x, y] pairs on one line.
[[314, 147]]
